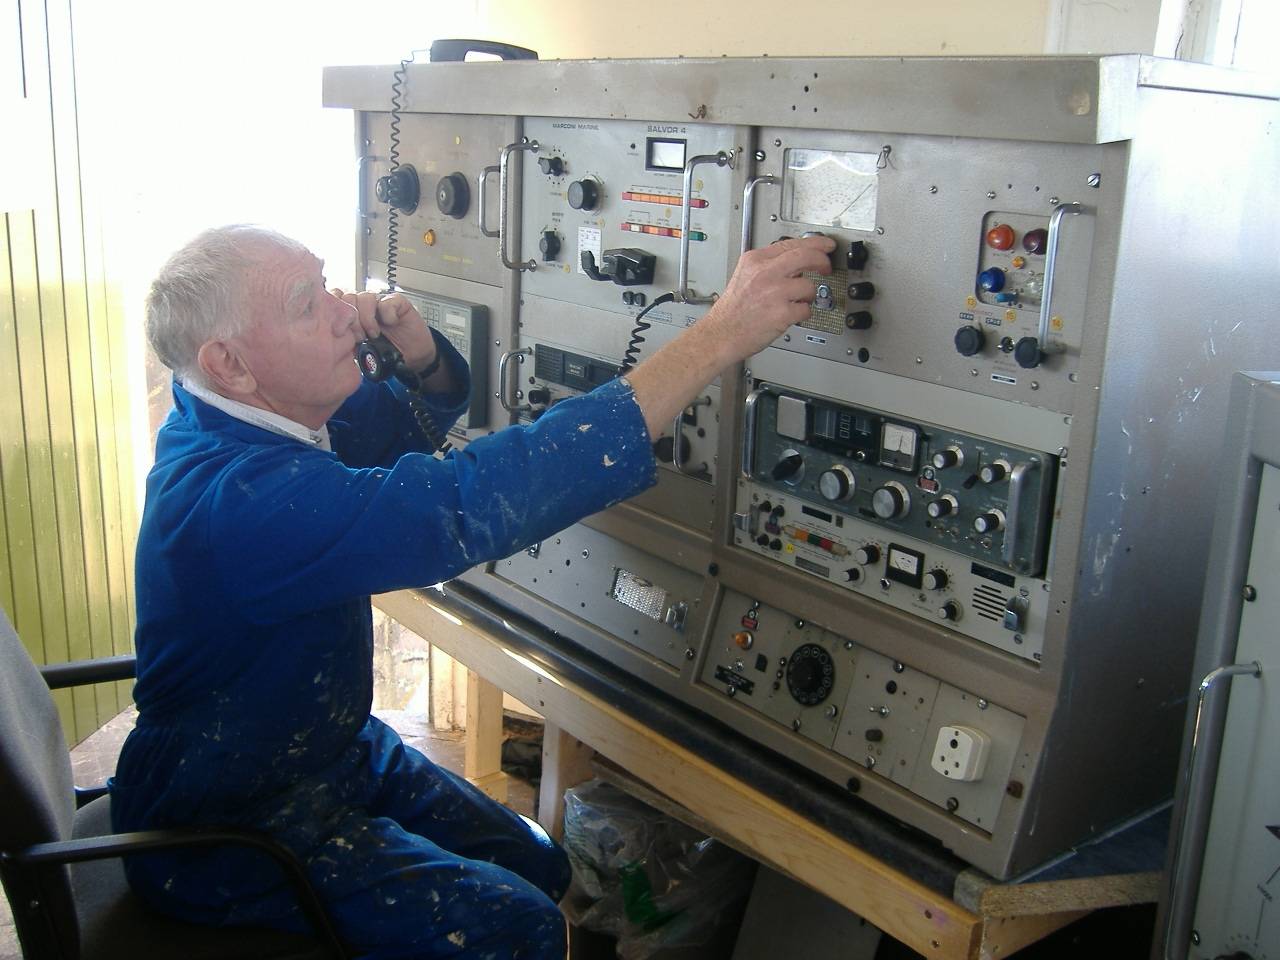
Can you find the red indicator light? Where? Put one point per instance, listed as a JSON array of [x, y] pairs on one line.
[[1036, 240], [1000, 237]]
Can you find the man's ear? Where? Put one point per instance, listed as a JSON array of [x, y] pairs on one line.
[[224, 370]]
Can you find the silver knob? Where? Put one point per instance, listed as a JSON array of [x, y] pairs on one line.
[[837, 483], [989, 522], [944, 506], [995, 471], [950, 457], [890, 501]]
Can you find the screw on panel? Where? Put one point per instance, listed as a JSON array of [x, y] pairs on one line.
[[952, 804], [1014, 789], [1053, 201], [973, 372], [795, 724], [586, 554], [759, 156], [880, 231], [991, 194], [1250, 593], [983, 704], [871, 761], [689, 653], [899, 667], [933, 189], [777, 142], [1035, 384], [1094, 180], [731, 691], [1195, 937], [919, 359]]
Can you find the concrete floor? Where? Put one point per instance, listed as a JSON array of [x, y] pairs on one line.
[[94, 760]]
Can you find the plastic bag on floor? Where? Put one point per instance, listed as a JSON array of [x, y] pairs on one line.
[[644, 878]]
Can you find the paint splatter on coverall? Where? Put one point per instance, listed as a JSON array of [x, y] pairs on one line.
[[256, 558]]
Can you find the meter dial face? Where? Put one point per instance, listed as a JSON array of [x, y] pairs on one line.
[[830, 189], [898, 446]]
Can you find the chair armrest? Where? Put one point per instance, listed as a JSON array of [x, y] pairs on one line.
[[143, 841], [80, 672]]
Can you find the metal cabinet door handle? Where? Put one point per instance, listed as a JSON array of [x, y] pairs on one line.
[[1189, 838]]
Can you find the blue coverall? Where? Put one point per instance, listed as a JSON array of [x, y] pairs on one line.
[[256, 558]]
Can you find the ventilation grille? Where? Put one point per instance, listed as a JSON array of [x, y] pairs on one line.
[[989, 602], [639, 594]]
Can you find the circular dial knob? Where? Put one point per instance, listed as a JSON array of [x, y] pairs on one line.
[[935, 579], [1034, 241], [949, 611], [551, 166], [584, 194], [944, 506], [890, 501], [838, 483], [1000, 237], [858, 320], [949, 457], [453, 196], [991, 279], [867, 554], [862, 290], [970, 340], [989, 522], [994, 472], [399, 188], [1027, 352], [810, 674], [549, 245], [790, 468]]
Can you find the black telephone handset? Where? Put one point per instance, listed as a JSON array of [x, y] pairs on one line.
[[379, 359]]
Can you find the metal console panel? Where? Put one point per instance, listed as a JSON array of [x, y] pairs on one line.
[[978, 472]]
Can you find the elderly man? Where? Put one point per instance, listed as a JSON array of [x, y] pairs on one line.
[[285, 491]]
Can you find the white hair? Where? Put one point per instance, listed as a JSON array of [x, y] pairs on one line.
[[202, 292]]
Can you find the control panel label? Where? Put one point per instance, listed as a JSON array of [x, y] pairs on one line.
[[735, 680]]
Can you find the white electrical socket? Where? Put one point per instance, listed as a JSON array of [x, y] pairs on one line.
[[961, 753]]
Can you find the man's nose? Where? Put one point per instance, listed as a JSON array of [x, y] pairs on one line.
[[344, 319]]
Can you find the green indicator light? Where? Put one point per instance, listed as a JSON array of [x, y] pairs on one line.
[[697, 235]]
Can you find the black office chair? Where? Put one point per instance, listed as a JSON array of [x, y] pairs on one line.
[[60, 863]]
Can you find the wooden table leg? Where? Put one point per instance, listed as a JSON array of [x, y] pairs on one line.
[[482, 763], [566, 762]]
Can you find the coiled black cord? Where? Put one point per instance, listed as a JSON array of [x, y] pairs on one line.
[[393, 155], [632, 355], [421, 414]]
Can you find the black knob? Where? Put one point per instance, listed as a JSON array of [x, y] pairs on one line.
[[763, 539], [867, 555], [890, 501], [810, 674], [948, 457], [987, 522], [775, 544], [858, 320], [551, 166], [540, 396], [862, 290], [935, 579], [453, 196], [788, 467], [994, 472], [970, 340], [665, 448], [399, 188], [942, 507], [584, 194], [1027, 352], [549, 245], [875, 735], [949, 611], [857, 255]]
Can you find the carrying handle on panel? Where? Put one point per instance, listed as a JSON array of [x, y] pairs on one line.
[[503, 229], [502, 382], [748, 207], [1050, 265], [485, 174], [750, 406], [721, 159], [677, 427], [1189, 835]]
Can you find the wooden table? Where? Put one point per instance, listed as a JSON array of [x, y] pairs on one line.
[[980, 919]]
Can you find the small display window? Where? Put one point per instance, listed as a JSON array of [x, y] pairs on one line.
[[904, 566], [664, 154]]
